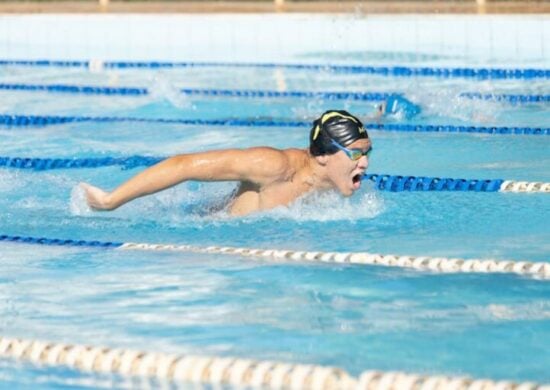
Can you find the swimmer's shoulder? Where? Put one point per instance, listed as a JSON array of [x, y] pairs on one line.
[[278, 164], [282, 156], [296, 157]]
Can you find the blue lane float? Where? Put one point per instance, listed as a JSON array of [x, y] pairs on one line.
[[60, 242], [46, 164], [47, 120], [397, 183], [81, 89], [510, 98], [251, 93], [247, 93], [393, 183], [332, 95], [458, 129], [394, 71]]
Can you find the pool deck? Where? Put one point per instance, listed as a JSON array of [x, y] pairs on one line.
[[359, 7]]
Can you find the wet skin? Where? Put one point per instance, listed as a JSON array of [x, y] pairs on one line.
[[268, 177]]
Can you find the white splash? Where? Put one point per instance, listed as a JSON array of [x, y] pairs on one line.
[[448, 103], [208, 202], [78, 204], [330, 206], [161, 88]]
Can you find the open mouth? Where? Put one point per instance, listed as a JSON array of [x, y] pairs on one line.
[[356, 180]]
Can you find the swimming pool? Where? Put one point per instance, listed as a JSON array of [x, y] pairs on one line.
[[351, 316]]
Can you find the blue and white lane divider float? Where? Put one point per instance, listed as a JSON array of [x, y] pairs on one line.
[[255, 93], [224, 372], [437, 264], [394, 183], [392, 71], [11, 120]]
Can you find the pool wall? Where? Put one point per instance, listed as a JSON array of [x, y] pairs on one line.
[[497, 39]]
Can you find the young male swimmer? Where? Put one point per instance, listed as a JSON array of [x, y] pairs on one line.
[[337, 158]]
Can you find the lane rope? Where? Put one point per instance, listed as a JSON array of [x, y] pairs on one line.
[[538, 270], [249, 93], [11, 120], [510, 98], [231, 371], [393, 183], [328, 95], [82, 89], [393, 71], [44, 164]]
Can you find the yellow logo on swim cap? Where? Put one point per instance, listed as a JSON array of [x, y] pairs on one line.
[[333, 114], [316, 132]]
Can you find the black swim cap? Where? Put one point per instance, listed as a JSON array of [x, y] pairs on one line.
[[338, 125]]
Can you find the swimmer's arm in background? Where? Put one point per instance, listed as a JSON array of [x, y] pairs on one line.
[[378, 114], [256, 165], [397, 106]]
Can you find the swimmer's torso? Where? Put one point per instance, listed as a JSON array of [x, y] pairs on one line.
[[290, 185]]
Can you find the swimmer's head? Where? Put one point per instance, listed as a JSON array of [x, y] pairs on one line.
[[337, 125]]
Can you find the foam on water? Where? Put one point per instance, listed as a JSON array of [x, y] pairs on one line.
[[208, 202], [532, 311], [447, 103], [161, 87], [77, 203], [183, 203], [330, 206]]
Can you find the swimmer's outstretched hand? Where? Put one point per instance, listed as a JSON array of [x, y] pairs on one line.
[[96, 198]]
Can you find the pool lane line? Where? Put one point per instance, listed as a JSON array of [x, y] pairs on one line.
[[76, 89], [11, 120], [247, 93], [510, 98], [393, 183], [539, 270], [250, 93], [387, 71], [46, 164], [231, 371]]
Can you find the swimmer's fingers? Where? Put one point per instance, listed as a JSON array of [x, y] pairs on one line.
[[96, 198]]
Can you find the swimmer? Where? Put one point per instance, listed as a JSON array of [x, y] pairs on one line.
[[337, 158]]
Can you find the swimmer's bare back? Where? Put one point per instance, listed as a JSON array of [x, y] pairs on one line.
[[268, 178]]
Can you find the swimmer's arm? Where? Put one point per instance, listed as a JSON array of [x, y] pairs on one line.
[[256, 165]]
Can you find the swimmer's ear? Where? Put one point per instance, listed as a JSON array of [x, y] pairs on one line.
[[322, 159]]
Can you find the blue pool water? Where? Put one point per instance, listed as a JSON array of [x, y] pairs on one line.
[[354, 317]]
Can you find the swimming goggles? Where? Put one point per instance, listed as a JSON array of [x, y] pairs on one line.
[[353, 154]]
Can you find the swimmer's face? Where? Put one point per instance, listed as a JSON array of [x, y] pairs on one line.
[[345, 173]]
